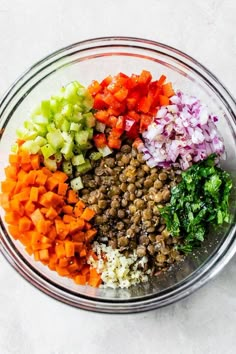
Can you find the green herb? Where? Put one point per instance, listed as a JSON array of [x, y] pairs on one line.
[[200, 199]]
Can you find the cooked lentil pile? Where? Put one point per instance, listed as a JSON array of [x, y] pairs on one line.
[[126, 195]]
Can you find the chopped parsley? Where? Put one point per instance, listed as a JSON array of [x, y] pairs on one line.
[[200, 199]]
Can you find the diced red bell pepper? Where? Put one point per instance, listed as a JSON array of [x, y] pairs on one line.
[[121, 94], [99, 102], [161, 80], [132, 81], [120, 124], [100, 140], [116, 133], [145, 77], [164, 100], [145, 121], [102, 116], [114, 143], [94, 87], [133, 132], [111, 122], [105, 82], [145, 103], [134, 115]]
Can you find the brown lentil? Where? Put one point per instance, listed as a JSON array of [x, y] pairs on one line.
[[126, 195]]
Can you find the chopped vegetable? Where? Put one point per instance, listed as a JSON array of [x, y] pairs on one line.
[[48, 218], [181, 134], [200, 199]]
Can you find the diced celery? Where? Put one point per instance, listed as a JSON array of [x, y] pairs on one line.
[[90, 120], [41, 129], [50, 164], [95, 156], [47, 151], [67, 167], [40, 140], [74, 127], [55, 104], [105, 151], [51, 127], [28, 125], [26, 134], [40, 120], [85, 167], [58, 119], [36, 111], [100, 127], [65, 127], [76, 183], [90, 133], [55, 139], [58, 157], [81, 137], [31, 146], [67, 148], [78, 160], [46, 109], [67, 110]]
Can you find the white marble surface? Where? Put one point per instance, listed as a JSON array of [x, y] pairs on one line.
[[31, 322]]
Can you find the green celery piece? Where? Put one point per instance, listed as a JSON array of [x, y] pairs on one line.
[[90, 133], [65, 127], [46, 109], [105, 150], [41, 129], [41, 120], [55, 139], [50, 164], [58, 157], [85, 167], [31, 146], [67, 110], [76, 183], [67, 167], [90, 120], [25, 134], [78, 160], [55, 105], [74, 127], [81, 137], [67, 148], [95, 156], [40, 140], [48, 150]]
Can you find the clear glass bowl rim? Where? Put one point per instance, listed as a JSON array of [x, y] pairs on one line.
[[193, 282]]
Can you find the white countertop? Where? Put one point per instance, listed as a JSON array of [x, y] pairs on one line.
[[30, 321]]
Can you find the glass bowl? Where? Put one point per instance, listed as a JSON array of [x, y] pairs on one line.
[[95, 59]]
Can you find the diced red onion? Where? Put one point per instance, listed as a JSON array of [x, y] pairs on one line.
[[181, 133]]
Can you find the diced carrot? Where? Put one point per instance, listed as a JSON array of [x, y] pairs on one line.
[[51, 213], [41, 178], [34, 194], [60, 250], [72, 197], [62, 188], [35, 162], [4, 201], [8, 186], [88, 214], [76, 225], [90, 234], [44, 255], [17, 206], [62, 229], [29, 207], [67, 209], [52, 183], [36, 216], [11, 217], [80, 279], [14, 231], [14, 159], [11, 172], [95, 282], [83, 253], [63, 262], [24, 224], [67, 219], [60, 176], [69, 249]]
